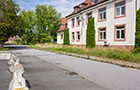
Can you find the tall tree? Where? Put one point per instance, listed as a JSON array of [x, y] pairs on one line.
[[11, 24], [47, 19], [29, 19], [137, 33], [90, 40]]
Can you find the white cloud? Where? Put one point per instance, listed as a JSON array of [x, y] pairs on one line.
[[63, 6]]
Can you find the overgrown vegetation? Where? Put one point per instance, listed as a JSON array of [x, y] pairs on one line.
[[66, 37], [90, 40], [104, 52], [137, 37], [3, 49]]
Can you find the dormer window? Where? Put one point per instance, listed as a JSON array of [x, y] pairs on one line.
[[95, 1], [75, 10], [81, 6], [92, 1]]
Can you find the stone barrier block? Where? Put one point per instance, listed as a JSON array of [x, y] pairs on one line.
[[5, 55]]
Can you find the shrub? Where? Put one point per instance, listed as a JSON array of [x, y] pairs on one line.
[[66, 37], [137, 34], [90, 40]]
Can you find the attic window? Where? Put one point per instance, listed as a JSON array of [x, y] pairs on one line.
[[75, 10], [92, 1], [95, 1], [81, 6]]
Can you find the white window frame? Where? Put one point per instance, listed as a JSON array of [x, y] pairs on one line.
[[103, 30], [102, 12], [122, 29], [120, 8]]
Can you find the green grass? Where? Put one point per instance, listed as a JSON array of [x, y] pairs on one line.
[[111, 53], [3, 49]]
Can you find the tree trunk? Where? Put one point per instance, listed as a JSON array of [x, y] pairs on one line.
[[1, 44]]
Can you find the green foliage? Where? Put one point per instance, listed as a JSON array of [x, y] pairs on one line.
[[90, 40], [11, 24], [44, 38], [66, 37], [137, 34], [47, 20]]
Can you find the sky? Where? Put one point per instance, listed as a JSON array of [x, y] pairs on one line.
[[63, 6]]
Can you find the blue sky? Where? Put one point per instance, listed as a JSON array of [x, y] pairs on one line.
[[63, 6]]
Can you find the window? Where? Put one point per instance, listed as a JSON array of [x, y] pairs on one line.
[[61, 36], [120, 9], [72, 22], [78, 22], [98, 0], [73, 36], [88, 15], [75, 10], [66, 25], [94, 1], [78, 36], [102, 14], [102, 34], [120, 32]]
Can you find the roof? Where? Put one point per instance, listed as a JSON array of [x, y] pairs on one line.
[[64, 20], [62, 29], [87, 6]]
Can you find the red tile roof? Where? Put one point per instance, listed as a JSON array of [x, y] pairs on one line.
[[62, 29], [87, 6], [64, 20]]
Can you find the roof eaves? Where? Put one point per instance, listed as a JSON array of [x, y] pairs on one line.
[[87, 8]]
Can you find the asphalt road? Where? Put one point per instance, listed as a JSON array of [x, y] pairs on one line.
[[47, 71]]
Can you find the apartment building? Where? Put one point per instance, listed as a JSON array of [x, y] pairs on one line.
[[114, 22]]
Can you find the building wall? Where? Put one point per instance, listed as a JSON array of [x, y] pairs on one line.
[[128, 20], [59, 40], [138, 4]]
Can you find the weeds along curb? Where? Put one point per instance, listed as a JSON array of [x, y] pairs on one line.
[[105, 60]]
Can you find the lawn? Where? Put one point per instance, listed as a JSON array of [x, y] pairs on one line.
[[116, 53], [3, 49]]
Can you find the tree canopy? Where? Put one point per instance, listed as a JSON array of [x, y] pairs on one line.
[[11, 24]]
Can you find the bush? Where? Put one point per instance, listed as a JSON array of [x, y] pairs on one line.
[[90, 40], [137, 34], [66, 37]]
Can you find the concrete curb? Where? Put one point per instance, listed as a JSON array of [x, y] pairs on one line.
[[105, 60]]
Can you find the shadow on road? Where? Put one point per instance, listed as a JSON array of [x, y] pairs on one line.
[[15, 47]]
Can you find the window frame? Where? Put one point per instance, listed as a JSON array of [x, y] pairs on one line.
[[99, 33], [115, 11], [77, 21], [72, 39], [78, 40], [87, 16], [115, 32], [105, 14], [73, 23]]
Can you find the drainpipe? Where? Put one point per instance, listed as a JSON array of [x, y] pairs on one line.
[[136, 5]]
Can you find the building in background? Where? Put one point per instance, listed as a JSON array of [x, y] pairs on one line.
[[60, 32], [115, 22]]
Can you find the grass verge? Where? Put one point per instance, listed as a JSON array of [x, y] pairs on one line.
[[116, 53], [3, 49]]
